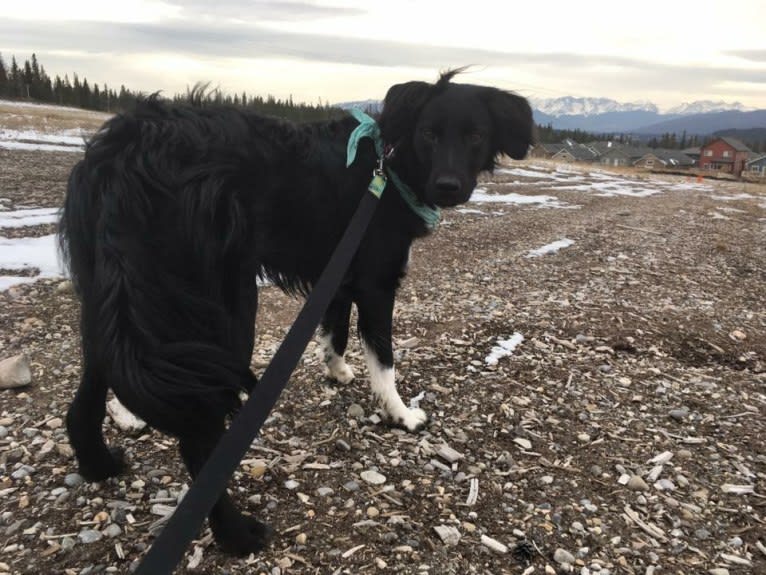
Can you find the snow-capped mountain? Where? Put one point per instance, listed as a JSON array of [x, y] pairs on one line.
[[571, 106], [707, 107]]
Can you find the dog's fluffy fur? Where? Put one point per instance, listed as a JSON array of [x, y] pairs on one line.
[[174, 212]]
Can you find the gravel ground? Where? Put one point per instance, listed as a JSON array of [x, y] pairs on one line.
[[623, 433]]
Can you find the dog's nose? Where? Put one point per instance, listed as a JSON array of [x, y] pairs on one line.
[[448, 184]]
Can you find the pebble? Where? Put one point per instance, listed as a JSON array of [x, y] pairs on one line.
[[355, 411], [718, 571], [15, 372], [325, 491], [23, 472], [373, 477], [351, 486], [562, 556], [679, 414], [448, 534], [493, 544], [89, 536], [112, 530], [54, 423], [3, 431], [291, 484], [637, 483], [372, 512], [73, 480]]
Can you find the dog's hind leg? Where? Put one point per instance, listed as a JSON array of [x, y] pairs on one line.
[[333, 338], [376, 308], [234, 532], [84, 418]]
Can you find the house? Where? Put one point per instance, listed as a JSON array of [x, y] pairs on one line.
[[574, 152], [724, 155], [623, 155], [693, 153], [757, 167], [664, 159], [545, 151]]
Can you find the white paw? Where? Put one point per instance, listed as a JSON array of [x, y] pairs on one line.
[[412, 419], [339, 370]]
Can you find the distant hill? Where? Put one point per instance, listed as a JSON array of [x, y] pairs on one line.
[[755, 138], [704, 124]]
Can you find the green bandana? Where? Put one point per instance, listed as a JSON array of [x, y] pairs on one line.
[[368, 128]]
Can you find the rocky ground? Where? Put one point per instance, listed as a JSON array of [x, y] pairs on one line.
[[623, 433]]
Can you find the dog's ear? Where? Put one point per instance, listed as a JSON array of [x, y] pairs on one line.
[[401, 108], [513, 126]]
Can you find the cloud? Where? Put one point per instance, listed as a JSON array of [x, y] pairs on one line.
[[752, 55], [255, 10]]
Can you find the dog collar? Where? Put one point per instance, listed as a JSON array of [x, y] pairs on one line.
[[368, 128]]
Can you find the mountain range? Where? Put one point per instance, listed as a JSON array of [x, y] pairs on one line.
[[604, 116]]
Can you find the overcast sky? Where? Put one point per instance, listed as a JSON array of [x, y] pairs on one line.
[[665, 51]]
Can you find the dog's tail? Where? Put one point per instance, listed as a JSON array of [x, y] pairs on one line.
[[158, 344]]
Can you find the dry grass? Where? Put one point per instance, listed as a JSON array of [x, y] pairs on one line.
[[45, 118]]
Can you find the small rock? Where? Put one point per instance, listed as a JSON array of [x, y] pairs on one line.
[[373, 477], [448, 454], [67, 543], [325, 491], [54, 423], [112, 530], [351, 486], [291, 484], [637, 483], [355, 411], [301, 538], [372, 512], [562, 556], [15, 372], [494, 544], [73, 480], [718, 571], [89, 536], [23, 472], [448, 534], [3, 431], [679, 414]]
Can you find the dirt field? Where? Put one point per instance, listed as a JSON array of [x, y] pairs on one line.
[[609, 441]]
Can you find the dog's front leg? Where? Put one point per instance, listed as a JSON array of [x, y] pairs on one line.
[[375, 321]]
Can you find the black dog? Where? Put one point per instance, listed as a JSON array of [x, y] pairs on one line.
[[174, 212]]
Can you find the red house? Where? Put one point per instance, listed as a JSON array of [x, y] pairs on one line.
[[724, 155]]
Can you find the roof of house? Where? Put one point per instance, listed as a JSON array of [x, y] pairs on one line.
[[550, 148], [757, 160], [733, 142], [578, 151], [674, 157]]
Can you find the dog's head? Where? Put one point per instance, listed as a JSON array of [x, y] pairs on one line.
[[451, 132]]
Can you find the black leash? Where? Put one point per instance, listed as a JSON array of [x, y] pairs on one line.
[[169, 547]]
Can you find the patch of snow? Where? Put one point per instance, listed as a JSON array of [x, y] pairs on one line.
[[30, 217], [734, 197], [550, 248], [504, 348], [480, 196], [39, 253], [68, 137], [38, 147]]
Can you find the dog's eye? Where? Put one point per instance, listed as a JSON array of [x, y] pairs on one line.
[[475, 138], [428, 135]]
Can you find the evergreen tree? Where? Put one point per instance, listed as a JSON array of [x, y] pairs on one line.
[[3, 79]]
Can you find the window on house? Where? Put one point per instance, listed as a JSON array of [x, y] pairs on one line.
[[708, 153], [726, 153]]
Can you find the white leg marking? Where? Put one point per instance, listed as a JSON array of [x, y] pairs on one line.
[[383, 382], [335, 366]]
